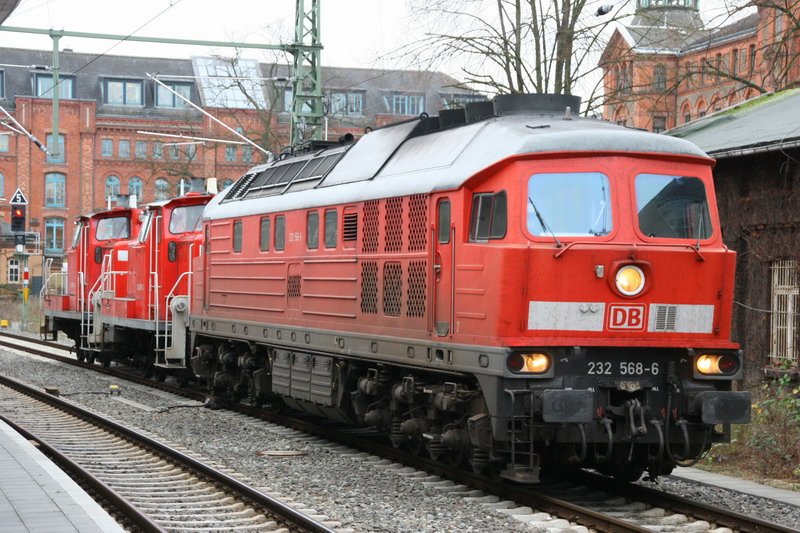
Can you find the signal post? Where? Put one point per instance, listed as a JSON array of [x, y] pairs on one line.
[[19, 207]]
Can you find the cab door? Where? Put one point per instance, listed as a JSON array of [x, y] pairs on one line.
[[443, 265]]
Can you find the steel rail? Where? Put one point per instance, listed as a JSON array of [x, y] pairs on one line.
[[258, 498], [679, 504], [120, 503]]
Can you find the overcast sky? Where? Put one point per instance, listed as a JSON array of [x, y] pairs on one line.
[[355, 33]]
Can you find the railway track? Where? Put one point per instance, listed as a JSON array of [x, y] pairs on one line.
[[154, 486], [595, 502]]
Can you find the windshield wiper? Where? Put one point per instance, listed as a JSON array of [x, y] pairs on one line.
[[545, 227], [699, 231]]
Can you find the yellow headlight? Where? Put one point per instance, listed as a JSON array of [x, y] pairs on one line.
[[629, 280], [711, 364], [528, 363], [536, 363]]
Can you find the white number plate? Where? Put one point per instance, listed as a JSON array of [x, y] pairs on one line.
[[622, 368]]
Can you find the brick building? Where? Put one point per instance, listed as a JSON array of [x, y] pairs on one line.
[[665, 68], [110, 113]]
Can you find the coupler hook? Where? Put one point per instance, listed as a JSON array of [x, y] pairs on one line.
[[609, 442], [578, 459]]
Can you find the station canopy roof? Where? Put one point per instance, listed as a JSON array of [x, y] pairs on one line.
[[763, 124]]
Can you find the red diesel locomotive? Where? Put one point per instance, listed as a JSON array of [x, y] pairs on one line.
[[509, 286]]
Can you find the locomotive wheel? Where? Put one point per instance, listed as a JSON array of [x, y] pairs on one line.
[[455, 458], [90, 357], [416, 446], [628, 473], [159, 374], [81, 355]]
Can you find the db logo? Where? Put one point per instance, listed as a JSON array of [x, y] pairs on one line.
[[630, 317]]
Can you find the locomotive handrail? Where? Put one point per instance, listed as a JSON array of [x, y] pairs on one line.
[[62, 289], [634, 246]]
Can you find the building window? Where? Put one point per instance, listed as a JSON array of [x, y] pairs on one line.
[[660, 78], [4, 142], [44, 86], [191, 151], [53, 235], [166, 99], [783, 330], [659, 124], [405, 104], [158, 150], [13, 270], [227, 183], [55, 151], [124, 149], [717, 67], [247, 154], [55, 190], [106, 148], [735, 60], [687, 118], [703, 68], [173, 152], [230, 152], [457, 101], [344, 103], [2, 185], [752, 57], [162, 189], [122, 92], [112, 187], [135, 186], [141, 149]]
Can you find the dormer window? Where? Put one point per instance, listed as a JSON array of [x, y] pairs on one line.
[[123, 92]]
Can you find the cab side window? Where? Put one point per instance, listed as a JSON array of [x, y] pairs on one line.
[[312, 230], [280, 232], [237, 236], [331, 228], [264, 235], [489, 217]]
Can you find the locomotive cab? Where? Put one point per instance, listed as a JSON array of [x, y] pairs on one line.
[[68, 295], [151, 286]]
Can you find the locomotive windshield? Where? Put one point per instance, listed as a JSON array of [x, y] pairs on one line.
[[113, 228], [188, 218], [672, 207], [569, 204]]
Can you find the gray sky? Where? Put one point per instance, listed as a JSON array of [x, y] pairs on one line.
[[355, 33]]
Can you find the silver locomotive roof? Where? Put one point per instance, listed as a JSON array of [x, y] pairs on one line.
[[415, 158]]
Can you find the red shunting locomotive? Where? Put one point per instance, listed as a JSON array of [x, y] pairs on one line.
[[138, 285]]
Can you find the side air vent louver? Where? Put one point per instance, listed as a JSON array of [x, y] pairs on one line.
[[350, 227]]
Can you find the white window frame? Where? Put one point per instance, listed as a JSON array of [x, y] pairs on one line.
[[784, 307], [13, 271]]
